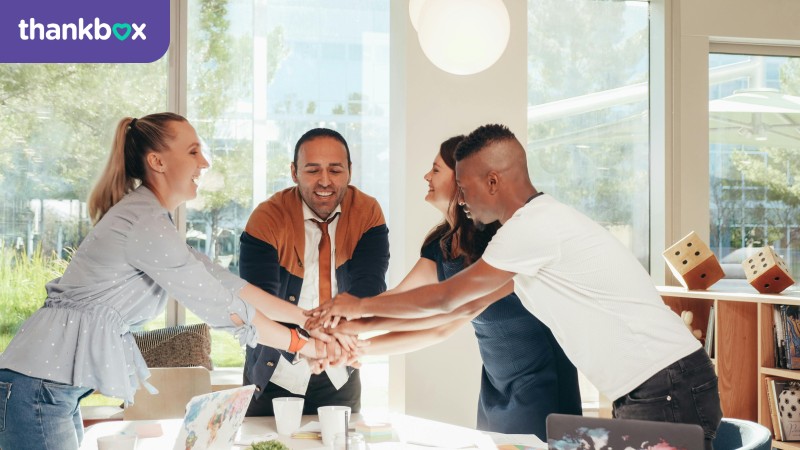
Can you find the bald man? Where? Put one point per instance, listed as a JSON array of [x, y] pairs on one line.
[[574, 276]]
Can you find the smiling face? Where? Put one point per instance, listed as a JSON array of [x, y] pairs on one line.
[[441, 184], [322, 174], [182, 163]]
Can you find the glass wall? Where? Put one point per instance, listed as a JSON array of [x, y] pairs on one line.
[[56, 126], [588, 128], [259, 74], [588, 124], [754, 158]]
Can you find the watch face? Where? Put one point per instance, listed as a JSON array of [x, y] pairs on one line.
[[303, 333]]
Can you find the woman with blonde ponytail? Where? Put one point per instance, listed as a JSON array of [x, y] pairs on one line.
[[121, 276]]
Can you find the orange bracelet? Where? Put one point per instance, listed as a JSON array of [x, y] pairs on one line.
[[296, 343]]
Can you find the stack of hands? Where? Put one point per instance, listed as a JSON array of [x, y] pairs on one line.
[[335, 331]]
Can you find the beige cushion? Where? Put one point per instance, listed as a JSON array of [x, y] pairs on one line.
[[178, 346]]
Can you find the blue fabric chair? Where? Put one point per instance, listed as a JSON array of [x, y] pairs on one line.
[[742, 435]]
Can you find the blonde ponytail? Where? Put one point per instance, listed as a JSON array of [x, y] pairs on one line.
[[126, 167], [113, 183]]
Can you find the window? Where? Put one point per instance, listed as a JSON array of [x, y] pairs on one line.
[[255, 86], [754, 154], [56, 128], [588, 129], [258, 76]]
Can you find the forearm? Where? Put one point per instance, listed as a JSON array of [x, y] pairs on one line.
[[275, 335], [409, 341], [477, 281], [467, 311], [271, 306], [416, 303]]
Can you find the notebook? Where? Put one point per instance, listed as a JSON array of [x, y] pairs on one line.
[[212, 420], [565, 432]]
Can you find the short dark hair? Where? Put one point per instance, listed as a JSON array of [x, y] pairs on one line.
[[481, 137], [320, 132]]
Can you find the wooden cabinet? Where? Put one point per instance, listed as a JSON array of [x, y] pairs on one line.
[[743, 343]]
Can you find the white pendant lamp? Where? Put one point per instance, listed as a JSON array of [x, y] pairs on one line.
[[462, 37]]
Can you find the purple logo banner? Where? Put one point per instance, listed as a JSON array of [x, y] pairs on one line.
[[83, 31]]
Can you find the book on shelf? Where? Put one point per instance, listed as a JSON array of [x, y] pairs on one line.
[[709, 345], [785, 400], [779, 335], [791, 324], [773, 408]]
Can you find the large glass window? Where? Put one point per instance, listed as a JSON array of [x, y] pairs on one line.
[[588, 126], [260, 74], [754, 158], [588, 129], [56, 126]]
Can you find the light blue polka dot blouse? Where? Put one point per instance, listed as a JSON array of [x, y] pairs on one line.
[[121, 276]]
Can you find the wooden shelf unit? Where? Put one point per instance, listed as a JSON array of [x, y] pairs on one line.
[[743, 343]]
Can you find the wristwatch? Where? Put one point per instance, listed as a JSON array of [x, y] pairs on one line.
[[299, 338]]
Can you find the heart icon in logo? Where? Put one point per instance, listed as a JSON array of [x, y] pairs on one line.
[[121, 26]]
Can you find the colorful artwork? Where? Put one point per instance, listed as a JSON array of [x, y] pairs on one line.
[[212, 420], [600, 438]]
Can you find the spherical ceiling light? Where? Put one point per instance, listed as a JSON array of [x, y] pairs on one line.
[[414, 9], [463, 37]]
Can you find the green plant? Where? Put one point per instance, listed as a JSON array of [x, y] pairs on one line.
[[22, 282], [268, 445]]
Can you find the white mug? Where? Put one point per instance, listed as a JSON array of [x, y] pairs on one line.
[[288, 412], [332, 421]]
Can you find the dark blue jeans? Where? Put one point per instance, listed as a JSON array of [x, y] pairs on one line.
[[39, 414], [686, 391]]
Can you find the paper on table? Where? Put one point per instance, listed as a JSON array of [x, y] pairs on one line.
[[310, 427], [426, 433], [524, 440], [247, 439]]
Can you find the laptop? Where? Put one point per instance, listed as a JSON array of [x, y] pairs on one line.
[[211, 420], [566, 432]]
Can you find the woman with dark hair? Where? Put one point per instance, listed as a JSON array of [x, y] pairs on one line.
[[121, 277], [526, 375]]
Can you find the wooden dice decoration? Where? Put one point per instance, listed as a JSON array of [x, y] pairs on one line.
[[767, 272], [693, 263]]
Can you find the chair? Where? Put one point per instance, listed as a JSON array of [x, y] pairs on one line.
[[743, 435], [176, 386]]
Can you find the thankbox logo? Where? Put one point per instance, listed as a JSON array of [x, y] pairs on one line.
[[84, 31], [31, 30]]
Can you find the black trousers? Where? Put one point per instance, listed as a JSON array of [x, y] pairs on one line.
[[320, 392], [686, 391]]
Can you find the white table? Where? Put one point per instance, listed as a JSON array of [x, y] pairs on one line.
[[412, 432]]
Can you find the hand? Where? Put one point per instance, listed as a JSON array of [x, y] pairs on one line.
[[329, 314], [352, 327], [354, 356], [317, 366], [347, 341], [320, 335], [335, 353], [315, 352]]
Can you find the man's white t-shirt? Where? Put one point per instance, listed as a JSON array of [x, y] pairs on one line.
[[597, 299]]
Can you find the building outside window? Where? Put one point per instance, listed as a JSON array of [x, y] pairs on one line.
[[754, 158]]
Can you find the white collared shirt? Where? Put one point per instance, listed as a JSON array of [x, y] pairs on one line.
[[294, 378], [309, 293]]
